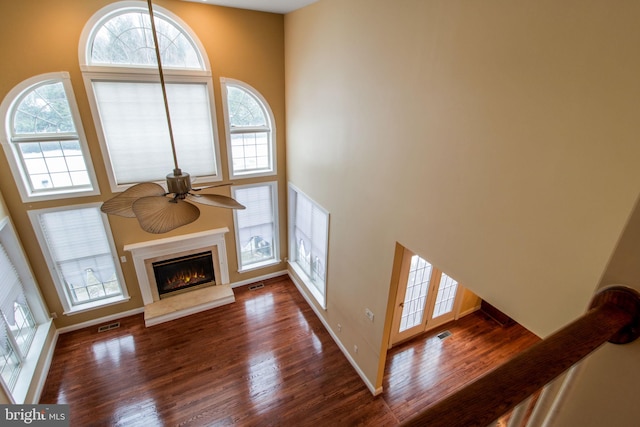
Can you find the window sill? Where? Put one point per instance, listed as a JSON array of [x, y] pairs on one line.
[[29, 196], [309, 286], [258, 265], [256, 173], [28, 370], [95, 305]]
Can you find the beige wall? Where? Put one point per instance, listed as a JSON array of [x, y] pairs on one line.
[[497, 139], [470, 302], [3, 208], [41, 37]]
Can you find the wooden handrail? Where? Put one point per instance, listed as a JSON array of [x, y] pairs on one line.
[[614, 316]]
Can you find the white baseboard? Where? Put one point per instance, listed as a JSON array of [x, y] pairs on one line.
[[374, 391], [96, 322]]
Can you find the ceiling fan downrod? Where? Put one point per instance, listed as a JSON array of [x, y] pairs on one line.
[[148, 201]]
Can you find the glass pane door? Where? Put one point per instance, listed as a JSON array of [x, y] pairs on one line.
[[416, 294], [446, 296], [425, 298], [444, 304]]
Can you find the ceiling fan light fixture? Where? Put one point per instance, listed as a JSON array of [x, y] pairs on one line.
[[178, 182]]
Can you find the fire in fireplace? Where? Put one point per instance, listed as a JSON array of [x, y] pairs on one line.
[[176, 274]]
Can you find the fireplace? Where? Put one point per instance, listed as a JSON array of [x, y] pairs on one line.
[[167, 293], [185, 272]]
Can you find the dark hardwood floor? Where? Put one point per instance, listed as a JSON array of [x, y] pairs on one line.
[[265, 360]]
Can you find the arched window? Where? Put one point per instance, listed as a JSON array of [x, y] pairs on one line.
[[44, 141], [250, 130], [124, 39], [120, 71]]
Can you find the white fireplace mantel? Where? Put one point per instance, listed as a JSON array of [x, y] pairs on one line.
[[173, 246]]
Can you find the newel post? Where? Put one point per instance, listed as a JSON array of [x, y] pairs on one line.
[[614, 316]]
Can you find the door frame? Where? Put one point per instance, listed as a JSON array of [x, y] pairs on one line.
[[454, 314], [427, 323], [405, 267]]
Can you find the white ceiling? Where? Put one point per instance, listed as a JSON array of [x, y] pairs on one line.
[[275, 6]]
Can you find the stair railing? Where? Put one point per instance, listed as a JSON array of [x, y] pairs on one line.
[[614, 316]]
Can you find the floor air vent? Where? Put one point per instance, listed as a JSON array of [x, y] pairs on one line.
[[109, 327], [256, 286], [443, 335]]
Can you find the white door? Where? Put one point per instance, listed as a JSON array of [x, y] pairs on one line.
[[426, 298], [444, 307]]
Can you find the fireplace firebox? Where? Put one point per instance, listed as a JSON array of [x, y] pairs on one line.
[[177, 274]]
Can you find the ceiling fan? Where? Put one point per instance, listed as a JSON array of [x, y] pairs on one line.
[[159, 211]]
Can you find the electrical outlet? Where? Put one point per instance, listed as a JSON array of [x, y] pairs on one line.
[[123, 258], [369, 314], [355, 348], [339, 327]]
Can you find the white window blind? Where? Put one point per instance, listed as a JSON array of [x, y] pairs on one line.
[[256, 226], [311, 235], [12, 291], [80, 250], [136, 133], [121, 75], [309, 228]]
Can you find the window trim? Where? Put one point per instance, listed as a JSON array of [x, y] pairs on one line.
[[320, 297], [170, 77], [120, 73], [104, 14], [6, 112], [224, 81], [68, 307], [276, 229], [44, 323]]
